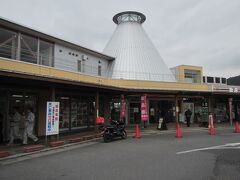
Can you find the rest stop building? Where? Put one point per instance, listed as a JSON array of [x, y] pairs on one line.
[[36, 67]]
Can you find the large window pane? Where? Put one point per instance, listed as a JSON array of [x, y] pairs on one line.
[[192, 76], [8, 43], [46, 53], [82, 113], [29, 48], [64, 115]]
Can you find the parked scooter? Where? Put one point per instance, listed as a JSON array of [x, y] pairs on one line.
[[116, 129]]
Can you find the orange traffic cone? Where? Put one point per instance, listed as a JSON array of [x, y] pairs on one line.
[[237, 130], [211, 128], [178, 132], [137, 135]]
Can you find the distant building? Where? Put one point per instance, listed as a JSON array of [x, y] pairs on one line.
[[234, 81]]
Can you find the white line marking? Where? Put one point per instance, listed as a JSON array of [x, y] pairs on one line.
[[226, 146], [232, 144]]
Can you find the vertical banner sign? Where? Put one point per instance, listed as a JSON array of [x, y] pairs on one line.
[[52, 118], [123, 108], [230, 110], [144, 110]]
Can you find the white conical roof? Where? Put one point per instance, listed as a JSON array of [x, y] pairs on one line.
[[136, 56]]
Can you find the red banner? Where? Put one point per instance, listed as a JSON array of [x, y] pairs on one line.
[[123, 108], [144, 109]]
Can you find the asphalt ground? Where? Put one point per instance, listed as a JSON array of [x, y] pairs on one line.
[[155, 156]]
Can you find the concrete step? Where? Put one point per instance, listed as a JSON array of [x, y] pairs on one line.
[[89, 137], [33, 148], [4, 154], [56, 143], [98, 135], [76, 139]]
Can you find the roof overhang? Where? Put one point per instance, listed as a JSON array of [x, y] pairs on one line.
[[44, 73]]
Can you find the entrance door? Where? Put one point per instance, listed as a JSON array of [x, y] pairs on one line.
[[21, 101], [135, 113], [163, 108], [9, 101], [186, 106]]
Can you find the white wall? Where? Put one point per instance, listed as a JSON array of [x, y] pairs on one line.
[[65, 61]]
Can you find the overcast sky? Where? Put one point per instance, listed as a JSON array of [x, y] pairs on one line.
[[195, 32]]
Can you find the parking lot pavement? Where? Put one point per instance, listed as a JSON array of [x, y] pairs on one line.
[[154, 156]]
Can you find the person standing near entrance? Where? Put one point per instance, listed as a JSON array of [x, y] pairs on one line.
[[15, 119], [29, 127], [188, 115]]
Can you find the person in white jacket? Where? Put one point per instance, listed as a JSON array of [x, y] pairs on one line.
[[29, 127], [15, 119]]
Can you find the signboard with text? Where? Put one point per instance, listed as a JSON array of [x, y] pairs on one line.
[[52, 118], [144, 109], [226, 88]]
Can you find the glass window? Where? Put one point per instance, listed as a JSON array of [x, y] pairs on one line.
[[8, 43], [83, 66], [46, 53], [217, 80], [224, 81], [76, 113], [29, 49], [115, 105], [210, 79], [192, 76], [64, 115], [99, 70], [79, 66], [79, 113], [82, 113], [129, 18]]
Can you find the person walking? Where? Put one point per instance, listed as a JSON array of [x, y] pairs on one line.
[[29, 127], [15, 119], [188, 115]]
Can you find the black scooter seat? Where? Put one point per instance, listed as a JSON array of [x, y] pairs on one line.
[[110, 126]]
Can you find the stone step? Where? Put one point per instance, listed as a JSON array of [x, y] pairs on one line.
[[98, 135], [56, 143], [33, 148], [77, 139], [88, 137], [4, 154]]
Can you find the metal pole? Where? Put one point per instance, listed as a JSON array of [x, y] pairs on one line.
[[19, 46], [96, 108], [46, 140], [38, 51], [176, 110]]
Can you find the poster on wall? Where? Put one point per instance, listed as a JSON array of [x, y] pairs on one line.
[[123, 108], [52, 118], [144, 109]]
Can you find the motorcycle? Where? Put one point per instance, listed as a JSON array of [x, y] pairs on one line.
[[115, 129]]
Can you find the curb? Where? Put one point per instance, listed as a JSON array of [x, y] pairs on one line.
[[56, 143], [4, 154], [16, 157]]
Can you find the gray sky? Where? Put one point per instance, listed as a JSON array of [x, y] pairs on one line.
[[194, 32]]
